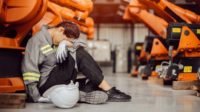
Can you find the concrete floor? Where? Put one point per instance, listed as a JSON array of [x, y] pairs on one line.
[[145, 98]]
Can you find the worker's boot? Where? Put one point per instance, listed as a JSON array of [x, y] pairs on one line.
[[92, 94], [115, 95], [94, 97]]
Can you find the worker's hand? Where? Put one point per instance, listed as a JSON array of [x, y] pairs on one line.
[[61, 53], [69, 44], [32, 92]]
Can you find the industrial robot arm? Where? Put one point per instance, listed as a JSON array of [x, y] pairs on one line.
[[156, 24], [56, 14], [170, 8]]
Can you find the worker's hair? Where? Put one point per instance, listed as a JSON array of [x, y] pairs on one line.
[[71, 29]]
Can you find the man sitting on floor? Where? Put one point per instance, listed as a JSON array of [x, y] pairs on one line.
[[54, 56]]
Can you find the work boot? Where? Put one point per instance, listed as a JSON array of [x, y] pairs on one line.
[[94, 97], [115, 95]]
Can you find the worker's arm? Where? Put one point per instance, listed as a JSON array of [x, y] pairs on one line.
[[62, 50], [80, 42], [31, 74]]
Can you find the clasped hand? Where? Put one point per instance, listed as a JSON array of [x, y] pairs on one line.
[[62, 50]]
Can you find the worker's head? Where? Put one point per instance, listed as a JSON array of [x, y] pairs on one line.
[[69, 29]]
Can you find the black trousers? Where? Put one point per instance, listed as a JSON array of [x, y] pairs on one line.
[[64, 72]]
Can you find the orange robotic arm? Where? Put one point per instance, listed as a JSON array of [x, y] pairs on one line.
[[69, 14], [19, 25], [82, 5], [17, 17], [57, 14], [10, 8], [128, 17], [184, 14], [156, 24], [158, 10]]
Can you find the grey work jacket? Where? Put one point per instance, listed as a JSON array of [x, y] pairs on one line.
[[40, 57]]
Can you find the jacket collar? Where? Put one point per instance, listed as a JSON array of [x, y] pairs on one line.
[[46, 34]]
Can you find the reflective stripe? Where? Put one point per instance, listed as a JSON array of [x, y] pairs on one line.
[[48, 50], [31, 74], [31, 78], [45, 47]]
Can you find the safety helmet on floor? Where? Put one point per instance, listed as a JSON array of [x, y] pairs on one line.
[[63, 96]]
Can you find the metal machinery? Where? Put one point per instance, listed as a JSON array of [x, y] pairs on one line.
[[157, 47], [20, 19]]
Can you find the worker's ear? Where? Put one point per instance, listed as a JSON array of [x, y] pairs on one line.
[[60, 29]]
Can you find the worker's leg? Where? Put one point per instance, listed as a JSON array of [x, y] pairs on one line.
[[65, 72], [92, 71], [62, 74]]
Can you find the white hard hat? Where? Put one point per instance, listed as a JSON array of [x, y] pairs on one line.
[[63, 96]]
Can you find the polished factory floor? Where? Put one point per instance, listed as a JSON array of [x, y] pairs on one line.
[[146, 97]]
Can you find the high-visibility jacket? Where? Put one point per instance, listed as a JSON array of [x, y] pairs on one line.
[[40, 59]]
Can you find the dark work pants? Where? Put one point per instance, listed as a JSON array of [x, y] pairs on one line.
[[65, 72]]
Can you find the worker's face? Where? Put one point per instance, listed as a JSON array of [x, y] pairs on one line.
[[59, 32], [70, 39]]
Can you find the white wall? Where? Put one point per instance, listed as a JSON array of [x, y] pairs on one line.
[[140, 32], [117, 34], [120, 34]]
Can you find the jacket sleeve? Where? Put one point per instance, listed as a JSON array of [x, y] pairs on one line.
[[30, 70], [79, 43]]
